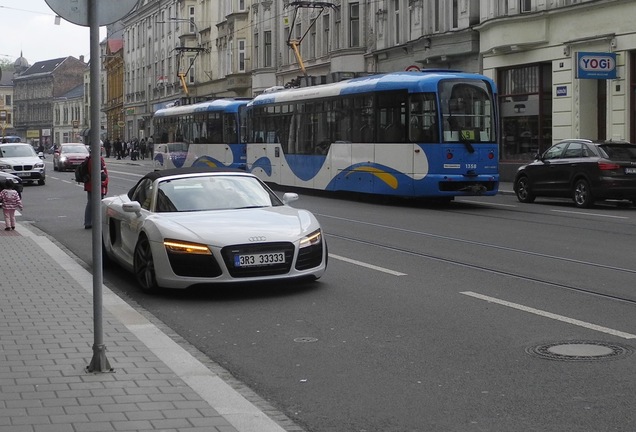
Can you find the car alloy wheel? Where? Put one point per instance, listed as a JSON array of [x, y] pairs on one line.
[[144, 265], [522, 189], [582, 195]]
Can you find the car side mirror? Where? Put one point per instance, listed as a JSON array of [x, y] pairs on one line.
[[132, 207], [290, 197], [41, 155]]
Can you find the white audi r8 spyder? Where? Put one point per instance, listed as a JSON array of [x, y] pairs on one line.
[[187, 226]]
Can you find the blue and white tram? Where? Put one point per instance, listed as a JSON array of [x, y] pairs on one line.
[[210, 133], [411, 134]]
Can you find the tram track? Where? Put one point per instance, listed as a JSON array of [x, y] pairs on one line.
[[493, 270]]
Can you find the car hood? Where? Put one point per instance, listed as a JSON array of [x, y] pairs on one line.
[[224, 227], [21, 160]]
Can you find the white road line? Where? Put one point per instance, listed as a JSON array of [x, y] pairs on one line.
[[370, 266], [552, 316], [590, 214]]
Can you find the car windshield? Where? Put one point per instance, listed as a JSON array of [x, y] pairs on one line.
[[20, 150], [622, 152], [80, 148], [213, 193]]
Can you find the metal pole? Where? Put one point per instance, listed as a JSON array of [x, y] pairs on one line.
[[99, 362]]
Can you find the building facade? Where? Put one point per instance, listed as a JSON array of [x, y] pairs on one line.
[[69, 116], [113, 90], [34, 93], [564, 68]]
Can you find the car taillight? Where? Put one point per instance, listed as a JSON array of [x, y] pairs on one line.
[[608, 166]]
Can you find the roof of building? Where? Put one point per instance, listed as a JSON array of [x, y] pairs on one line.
[[114, 45], [74, 93], [45, 66]]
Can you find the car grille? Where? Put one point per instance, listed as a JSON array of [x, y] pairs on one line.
[[229, 252], [22, 167], [309, 257], [189, 265]]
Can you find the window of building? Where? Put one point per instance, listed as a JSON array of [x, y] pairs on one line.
[[7, 100], [241, 5], [312, 42], [268, 49], [525, 6], [325, 34], [256, 53], [336, 29], [229, 58], [525, 100], [396, 21], [354, 25], [455, 15], [436, 14], [241, 55], [192, 28]]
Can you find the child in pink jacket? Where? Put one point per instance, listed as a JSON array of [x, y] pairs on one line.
[[10, 203]]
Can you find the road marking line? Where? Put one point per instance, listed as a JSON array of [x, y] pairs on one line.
[[590, 214], [551, 315], [362, 264]]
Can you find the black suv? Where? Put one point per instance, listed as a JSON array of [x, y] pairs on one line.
[[581, 169]]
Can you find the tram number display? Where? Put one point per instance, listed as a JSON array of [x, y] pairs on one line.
[[264, 259]]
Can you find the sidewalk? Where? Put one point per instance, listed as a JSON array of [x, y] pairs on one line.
[[46, 340]]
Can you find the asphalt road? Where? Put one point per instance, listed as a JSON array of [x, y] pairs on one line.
[[429, 318]]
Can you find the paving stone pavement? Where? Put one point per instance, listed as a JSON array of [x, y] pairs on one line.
[[46, 343]]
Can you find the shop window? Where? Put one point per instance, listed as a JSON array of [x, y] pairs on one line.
[[526, 111]]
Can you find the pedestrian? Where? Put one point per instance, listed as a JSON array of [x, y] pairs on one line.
[[118, 148], [11, 202], [88, 187], [107, 147]]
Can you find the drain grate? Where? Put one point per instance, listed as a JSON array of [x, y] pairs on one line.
[[580, 350]]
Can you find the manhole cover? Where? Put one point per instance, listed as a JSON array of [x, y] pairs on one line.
[[579, 351]]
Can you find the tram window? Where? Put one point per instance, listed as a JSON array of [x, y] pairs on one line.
[[423, 125]]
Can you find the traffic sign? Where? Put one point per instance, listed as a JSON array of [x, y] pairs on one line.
[[76, 11]]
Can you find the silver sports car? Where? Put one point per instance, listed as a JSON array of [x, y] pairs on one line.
[[181, 227]]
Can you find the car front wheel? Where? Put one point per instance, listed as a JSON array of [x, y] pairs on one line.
[[144, 265], [582, 194], [522, 189]]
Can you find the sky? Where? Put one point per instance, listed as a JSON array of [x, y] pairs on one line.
[[28, 26]]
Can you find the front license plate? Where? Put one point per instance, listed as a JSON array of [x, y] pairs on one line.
[[23, 174], [263, 259], [630, 170]]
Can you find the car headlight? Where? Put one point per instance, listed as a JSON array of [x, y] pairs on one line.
[[39, 165], [62, 158], [5, 166], [311, 239], [176, 246]]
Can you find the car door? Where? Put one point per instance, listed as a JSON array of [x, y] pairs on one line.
[[567, 167], [545, 172], [131, 223]]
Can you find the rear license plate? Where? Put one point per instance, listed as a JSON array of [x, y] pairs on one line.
[[262, 259], [630, 170]]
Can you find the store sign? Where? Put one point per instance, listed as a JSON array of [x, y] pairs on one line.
[[595, 65], [562, 91]]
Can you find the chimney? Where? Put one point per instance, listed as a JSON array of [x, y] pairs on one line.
[[82, 58]]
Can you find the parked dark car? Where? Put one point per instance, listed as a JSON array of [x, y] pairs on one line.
[[17, 182], [581, 169]]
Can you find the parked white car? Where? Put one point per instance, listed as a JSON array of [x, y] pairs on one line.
[[181, 227], [20, 159]]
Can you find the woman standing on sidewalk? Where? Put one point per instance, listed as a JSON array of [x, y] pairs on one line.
[[11, 202]]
